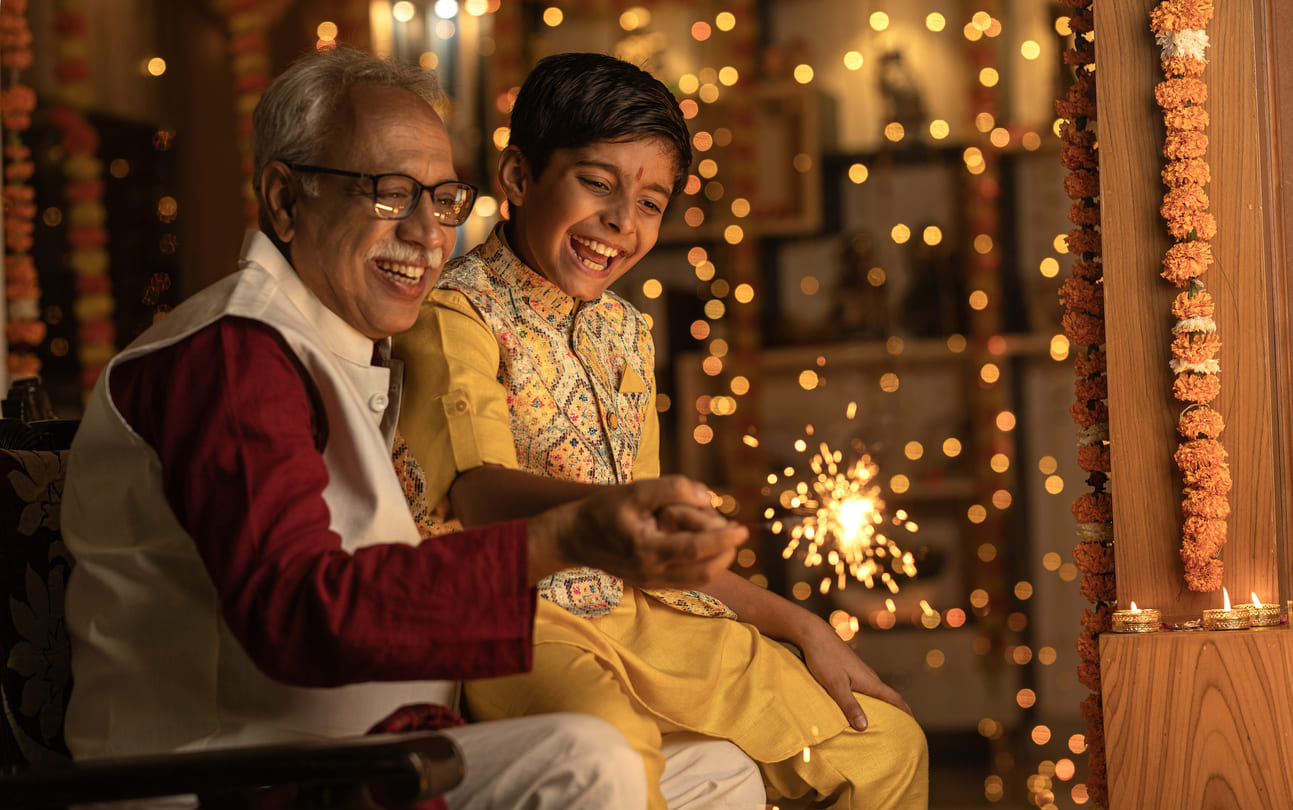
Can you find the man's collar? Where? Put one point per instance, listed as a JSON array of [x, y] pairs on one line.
[[336, 335]]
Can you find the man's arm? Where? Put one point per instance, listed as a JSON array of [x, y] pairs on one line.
[[239, 435]]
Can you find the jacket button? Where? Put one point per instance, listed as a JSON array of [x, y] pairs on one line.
[[613, 421], [460, 406], [378, 402]]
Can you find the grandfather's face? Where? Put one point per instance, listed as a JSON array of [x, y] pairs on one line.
[[374, 272]]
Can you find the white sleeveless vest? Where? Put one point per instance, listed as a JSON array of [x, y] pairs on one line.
[[154, 667]]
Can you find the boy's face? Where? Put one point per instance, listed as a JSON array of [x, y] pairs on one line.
[[593, 213]]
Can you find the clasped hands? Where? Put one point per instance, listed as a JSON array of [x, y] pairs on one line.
[[658, 533]]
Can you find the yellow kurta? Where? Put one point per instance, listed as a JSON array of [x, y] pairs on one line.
[[504, 368]]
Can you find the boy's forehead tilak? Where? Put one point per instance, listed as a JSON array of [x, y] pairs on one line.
[[639, 177]]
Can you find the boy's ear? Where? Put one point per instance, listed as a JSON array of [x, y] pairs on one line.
[[514, 175], [278, 197]]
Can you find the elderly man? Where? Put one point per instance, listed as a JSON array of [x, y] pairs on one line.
[[248, 570]]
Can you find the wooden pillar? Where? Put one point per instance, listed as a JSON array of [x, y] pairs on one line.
[[1198, 719]]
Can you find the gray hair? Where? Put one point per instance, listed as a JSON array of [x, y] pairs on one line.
[[292, 122]]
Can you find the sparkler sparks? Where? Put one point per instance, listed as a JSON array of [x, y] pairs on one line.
[[839, 513]]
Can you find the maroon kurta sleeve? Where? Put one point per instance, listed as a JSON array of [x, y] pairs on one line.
[[236, 424]]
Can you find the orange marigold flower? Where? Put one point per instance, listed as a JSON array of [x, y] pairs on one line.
[[1200, 423], [1192, 387], [1088, 647], [1088, 269], [24, 331], [1202, 538], [1203, 465], [1195, 347], [1093, 558], [1089, 412], [1186, 118], [1192, 171], [1082, 183], [1183, 201], [1078, 157], [1182, 66], [1084, 240], [1171, 16], [1196, 225], [22, 364], [1094, 458], [1082, 20], [1091, 708], [1082, 52], [1204, 578], [1074, 136], [1096, 387], [1082, 328], [1098, 588], [1090, 362], [1088, 674], [1093, 507], [1187, 260], [1204, 504], [1172, 93], [1076, 293], [1097, 620], [1184, 144], [1083, 212]]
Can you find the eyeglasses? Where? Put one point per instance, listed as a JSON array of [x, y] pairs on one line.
[[395, 196]]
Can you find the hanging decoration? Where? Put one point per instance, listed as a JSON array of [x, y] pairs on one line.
[[1179, 29], [85, 215], [248, 24], [24, 330], [1082, 295]]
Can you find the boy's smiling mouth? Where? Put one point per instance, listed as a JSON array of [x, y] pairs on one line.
[[594, 255]]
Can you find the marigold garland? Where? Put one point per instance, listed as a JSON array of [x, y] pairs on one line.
[[1082, 297], [86, 216], [1179, 28], [24, 330]]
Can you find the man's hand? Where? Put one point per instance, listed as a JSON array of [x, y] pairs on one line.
[[653, 533]]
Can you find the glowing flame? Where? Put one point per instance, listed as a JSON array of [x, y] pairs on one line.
[[1134, 609], [1226, 596], [1256, 602]]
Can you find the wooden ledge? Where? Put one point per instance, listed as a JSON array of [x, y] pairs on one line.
[[1199, 719]]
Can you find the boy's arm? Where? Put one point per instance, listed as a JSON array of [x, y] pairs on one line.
[[835, 666], [492, 493], [453, 413]]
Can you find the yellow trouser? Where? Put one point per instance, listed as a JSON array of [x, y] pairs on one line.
[[886, 766]]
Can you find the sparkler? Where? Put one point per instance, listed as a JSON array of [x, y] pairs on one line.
[[840, 511]]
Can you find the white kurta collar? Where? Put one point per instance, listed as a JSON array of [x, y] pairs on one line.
[[336, 335]]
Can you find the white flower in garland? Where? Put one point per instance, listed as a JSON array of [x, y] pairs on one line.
[[1188, 43]]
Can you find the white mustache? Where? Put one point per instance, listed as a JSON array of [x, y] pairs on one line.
[[402, 253]]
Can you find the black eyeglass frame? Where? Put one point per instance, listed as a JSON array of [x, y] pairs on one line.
[[419, 188]]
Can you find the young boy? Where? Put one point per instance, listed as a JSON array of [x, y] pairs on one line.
[[528, 373]]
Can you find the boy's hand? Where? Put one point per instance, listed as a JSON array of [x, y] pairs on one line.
[[652, 534]]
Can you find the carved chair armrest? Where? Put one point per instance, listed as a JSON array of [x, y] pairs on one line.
[[399, 769]]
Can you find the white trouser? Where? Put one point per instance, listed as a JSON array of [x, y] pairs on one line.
[[578, 762]]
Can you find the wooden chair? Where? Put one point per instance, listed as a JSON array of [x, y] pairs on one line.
[[36, 771]]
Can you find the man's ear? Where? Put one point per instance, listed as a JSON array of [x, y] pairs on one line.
[[278, 197], [514, 175]]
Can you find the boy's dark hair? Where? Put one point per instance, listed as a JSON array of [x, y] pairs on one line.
[[571, 100]]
